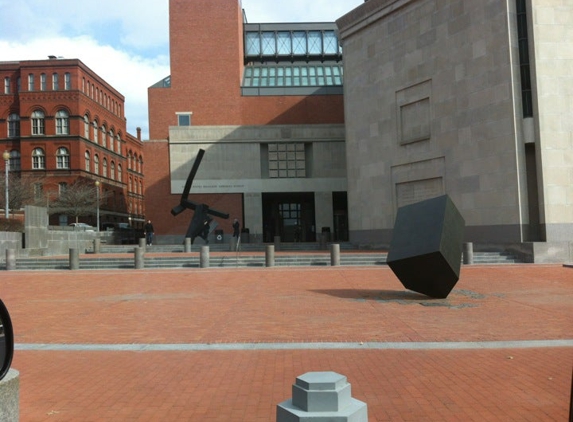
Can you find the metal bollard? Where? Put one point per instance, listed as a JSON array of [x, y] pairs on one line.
[[335, 254], [10, 259], [270, 256], [204, 257], [187, 244], [139, 258], [74, 259], [468, 253]]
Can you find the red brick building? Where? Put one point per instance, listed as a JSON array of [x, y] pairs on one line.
[[61, 123], [233, 77]]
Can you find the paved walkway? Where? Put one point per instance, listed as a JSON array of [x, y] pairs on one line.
[[227, 344]]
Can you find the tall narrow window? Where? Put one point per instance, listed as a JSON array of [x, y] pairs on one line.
[[110, 140], [62, 186], [31, 82], [43, 82], [86, 127], [118, 144], [13, 125], [15, 160], [119, 172], [38, 159], [103, 136], [37, 122], [87, 160], [104, 174], [63, 158], [95, 131], [38, 191], [67, 81], [62, 122], [96, 164], [112, 171], [7, 85], [55, 82]]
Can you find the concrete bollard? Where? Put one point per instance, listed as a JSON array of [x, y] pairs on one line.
[[10, 397], [277, 242], [97, 245], [187, 245], [322, 396], [10, 259], [468, 253], [204, 257], [142, 242], [335, 254], [74, 259], [270, 256], [139, 258]]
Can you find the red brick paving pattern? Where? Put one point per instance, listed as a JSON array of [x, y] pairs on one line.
[[282, 305]]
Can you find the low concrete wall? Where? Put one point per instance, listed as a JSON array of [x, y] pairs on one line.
[[9, 240], [10, 397]]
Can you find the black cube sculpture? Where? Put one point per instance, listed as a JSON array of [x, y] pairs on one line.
[[426, 247]]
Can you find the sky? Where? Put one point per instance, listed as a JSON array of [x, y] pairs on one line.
[[119, 39]]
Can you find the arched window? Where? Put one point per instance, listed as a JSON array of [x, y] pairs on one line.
[[55, 82], [62, 122], [119, 172], [15, 160], [13, 125], [95, 131], [103, 136], [104, 174], [110, 140], [87, 160], [118, 144], [86, 127], [38, 159], [130, 185], [112, 171], [140, 164], [63, 158], [96, 164], [38, 122]]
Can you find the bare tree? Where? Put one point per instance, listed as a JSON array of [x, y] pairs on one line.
[[20, 190], [77, 200]]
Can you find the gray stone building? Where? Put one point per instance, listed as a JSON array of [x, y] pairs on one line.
[[473, 98]]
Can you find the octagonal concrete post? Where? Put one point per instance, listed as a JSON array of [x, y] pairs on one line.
[[10, 397], [270, 256], [204, 257], [142, 243], [74, 259], [10, 259], [139, 257], [322, 397], [335, 254]]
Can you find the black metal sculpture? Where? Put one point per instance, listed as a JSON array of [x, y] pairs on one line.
[[426, 247], [201, 221], [6, 341]]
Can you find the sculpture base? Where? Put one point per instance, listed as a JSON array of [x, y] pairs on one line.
[[10, 397]]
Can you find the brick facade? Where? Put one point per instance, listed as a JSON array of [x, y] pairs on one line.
[[93, 125]]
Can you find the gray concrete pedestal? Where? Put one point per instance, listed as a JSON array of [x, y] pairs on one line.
[[322, 397], [10, 397]]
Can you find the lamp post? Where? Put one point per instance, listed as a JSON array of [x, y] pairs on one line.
[[97, 203], [6, 157]]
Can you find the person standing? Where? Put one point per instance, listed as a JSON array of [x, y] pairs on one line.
[[148, 229], [236, 227]]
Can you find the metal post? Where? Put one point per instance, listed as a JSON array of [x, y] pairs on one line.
[[97, 200], [6, 156]]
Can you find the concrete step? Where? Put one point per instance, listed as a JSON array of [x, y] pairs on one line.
[[241, 259]]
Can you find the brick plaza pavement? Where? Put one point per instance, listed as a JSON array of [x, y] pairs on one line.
[[227, 344]]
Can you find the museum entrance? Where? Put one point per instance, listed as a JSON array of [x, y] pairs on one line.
[[288, 215]]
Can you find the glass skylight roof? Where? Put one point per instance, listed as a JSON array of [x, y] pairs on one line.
[[293, 75]]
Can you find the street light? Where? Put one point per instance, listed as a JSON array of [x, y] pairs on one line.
[[97, 201], [6, 157]]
